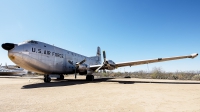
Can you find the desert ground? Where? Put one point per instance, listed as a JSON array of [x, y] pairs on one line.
[[31, 94]]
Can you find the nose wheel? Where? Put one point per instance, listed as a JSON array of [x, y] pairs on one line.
[[47, 78]]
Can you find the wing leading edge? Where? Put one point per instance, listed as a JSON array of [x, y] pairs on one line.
[[133, 63], [140, 62]]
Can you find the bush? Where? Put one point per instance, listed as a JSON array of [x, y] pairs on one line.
[[156, 73], [196, 77]]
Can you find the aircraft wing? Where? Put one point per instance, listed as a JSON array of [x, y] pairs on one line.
[[140, 62]]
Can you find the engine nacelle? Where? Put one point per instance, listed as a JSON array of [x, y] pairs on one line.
[[110, 62], [82, 69], [83, 73], [110, 65]]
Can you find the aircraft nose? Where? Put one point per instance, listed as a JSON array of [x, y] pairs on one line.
[[8, 46]]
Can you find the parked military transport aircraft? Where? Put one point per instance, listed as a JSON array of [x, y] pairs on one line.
[[12, 70], [9, 66], [47, 59]]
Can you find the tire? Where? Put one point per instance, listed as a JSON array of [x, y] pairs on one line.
[[89, 77], [47, 78], [62, 77]]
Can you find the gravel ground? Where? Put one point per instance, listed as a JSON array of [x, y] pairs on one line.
[[23, 94]]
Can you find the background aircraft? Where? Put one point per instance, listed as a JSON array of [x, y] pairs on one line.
[[47, 59], [12, 70]]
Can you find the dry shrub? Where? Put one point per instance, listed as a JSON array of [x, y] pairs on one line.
[[196, 77], [156, 73]]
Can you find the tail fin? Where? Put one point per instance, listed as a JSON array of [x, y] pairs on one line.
[[99, 55]]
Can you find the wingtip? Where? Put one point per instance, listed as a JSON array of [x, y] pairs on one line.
[[194, 55]]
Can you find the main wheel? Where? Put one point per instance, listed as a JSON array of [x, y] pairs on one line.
[[92, 77], [62, 77], [89, 77], [47, 78]]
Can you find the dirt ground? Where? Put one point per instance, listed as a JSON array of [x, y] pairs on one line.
[[24, 94]]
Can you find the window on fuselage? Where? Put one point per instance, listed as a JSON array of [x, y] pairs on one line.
[[32, 42]]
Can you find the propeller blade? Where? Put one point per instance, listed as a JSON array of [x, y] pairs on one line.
[[99, 68], [104, 63], [76, 66], [75, 73], [104, 56], [82, 61], [70, 62]]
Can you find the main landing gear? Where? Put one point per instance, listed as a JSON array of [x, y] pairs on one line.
[[47, 78], [89, 77], [62, 77]]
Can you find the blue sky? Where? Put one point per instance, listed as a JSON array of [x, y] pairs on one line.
[[128, 30]]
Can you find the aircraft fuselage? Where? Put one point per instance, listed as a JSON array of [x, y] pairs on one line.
[[48, 59]]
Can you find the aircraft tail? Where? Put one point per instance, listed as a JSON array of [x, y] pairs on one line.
[[99, 55]]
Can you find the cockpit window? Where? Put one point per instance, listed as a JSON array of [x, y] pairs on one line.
[[32, 41]]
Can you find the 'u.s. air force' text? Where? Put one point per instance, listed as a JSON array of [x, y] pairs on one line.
[[47, 52]]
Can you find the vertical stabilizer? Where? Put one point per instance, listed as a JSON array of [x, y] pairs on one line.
[[99, 55]]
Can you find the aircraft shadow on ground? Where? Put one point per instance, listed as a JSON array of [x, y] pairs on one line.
[[71, 82], [155, 82], [66, 82]]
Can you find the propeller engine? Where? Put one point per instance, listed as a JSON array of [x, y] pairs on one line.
[[79, 67], [108, 64]]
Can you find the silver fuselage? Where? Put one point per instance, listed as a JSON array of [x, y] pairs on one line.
[[43, 58]]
